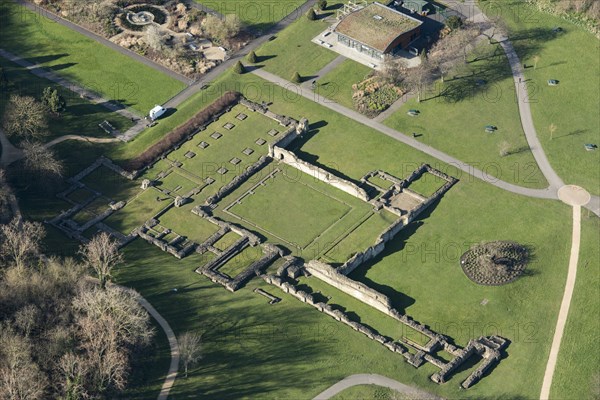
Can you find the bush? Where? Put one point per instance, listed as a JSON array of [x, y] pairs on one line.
[[182, 132], [252, 57], [322, 4], [296, 78], [454, 22], [239, 68], [311, 15]]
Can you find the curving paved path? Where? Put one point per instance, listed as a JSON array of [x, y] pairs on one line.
[[174, 367], [374, 379], [453, 162]]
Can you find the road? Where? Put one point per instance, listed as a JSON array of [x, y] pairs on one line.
[[373, 379]]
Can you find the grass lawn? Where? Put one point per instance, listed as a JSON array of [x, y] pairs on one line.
[[360, 238], [81, 116], [111, 184], [257, 15], [83, 60], [292, 51], [454, 114], [227, 240], [241, 261], [572, 106], [337, 84], [137, 211], [427, 184], [247, 341], [576, 374], [313, 211], [181, 220]]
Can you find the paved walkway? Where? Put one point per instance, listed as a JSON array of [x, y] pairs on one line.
[[373, 379], [174, 366], [453, 162], [146, 61], [323, 71], [570, 196], [87, 94]]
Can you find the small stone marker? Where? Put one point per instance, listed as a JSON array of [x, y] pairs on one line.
[[178, 164], [190, 154], [216, 135], [260, 141], [273, 132], [248, 151], [209, 180], [146, 183], [229, 126], [203, 145], [241, 116], [222, 170], [484, 302], [235, 161]]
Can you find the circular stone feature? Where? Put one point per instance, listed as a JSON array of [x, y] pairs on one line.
[[140, 18], [495, 263], [574, 195]]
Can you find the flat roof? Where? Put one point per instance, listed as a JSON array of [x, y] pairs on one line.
[[376, 25]]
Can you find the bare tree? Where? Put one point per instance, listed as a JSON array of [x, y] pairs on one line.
[[20, 377], [102, 255], [420, 77], [504, 148], [154, 38], [190, 350], [110, 322], [73, 369], [536, 60], [19, 240], [25, 117], [222, 28], [5, 195], [41, 159]]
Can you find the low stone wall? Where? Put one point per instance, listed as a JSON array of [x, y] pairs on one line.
[[330, 275], [202, 212], [344, 185], [288, 137], [272, 252], [238, 180], [164, 246]]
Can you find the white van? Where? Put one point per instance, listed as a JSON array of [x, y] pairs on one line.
[[156, 112]]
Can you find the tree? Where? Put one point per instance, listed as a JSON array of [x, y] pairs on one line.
[[454, 22], [102, 255], [41, 159], [552, 128], [311, 15], [222, 28], [53, 101], [20, 240], [252, 57], [239, 68], [322, 4], [419, 77], [154, 38], [110, 322], [5, 195], [190, 350], [296, 77], [25, 117]]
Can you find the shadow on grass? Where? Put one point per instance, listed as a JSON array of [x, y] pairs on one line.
[[399, 300]]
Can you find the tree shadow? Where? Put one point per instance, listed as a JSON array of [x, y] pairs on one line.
[[573, 133], [47, 58], [261, 59], [59, 67]]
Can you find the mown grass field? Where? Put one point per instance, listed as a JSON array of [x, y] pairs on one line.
[[571, 58], [81, 116], [247, 341], [292, 51], [454, 114], [337, 84], [82, 60]]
